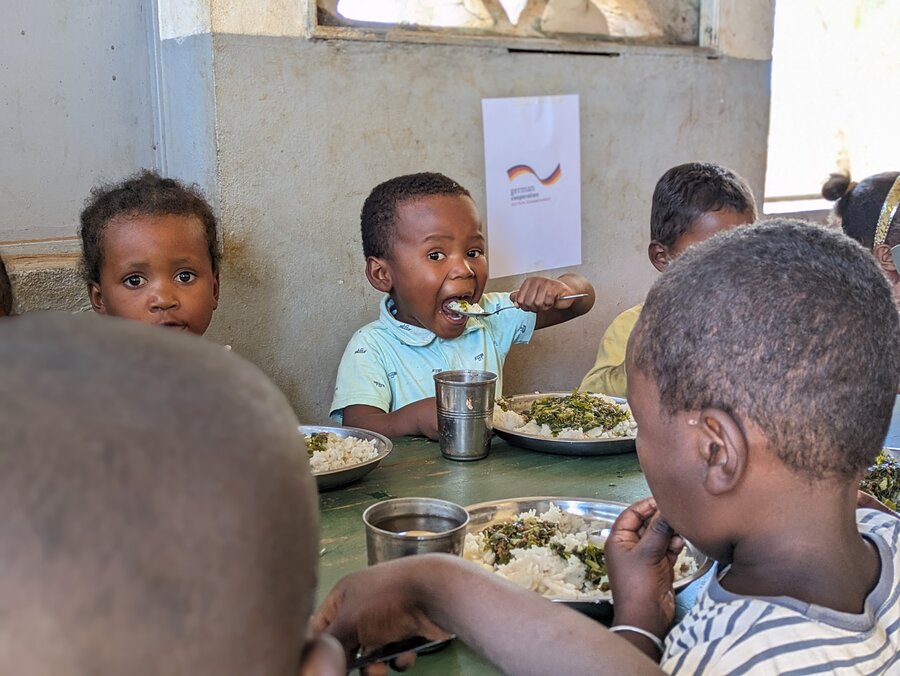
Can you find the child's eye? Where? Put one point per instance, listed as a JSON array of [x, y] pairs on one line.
[[134, 281], [475, 253], [436, 256], [184, 277]]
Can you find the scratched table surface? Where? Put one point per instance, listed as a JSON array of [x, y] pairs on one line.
[[416, 468]]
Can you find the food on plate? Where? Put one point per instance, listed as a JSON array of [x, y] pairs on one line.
[[882, 480], [580, 415], [328, 451], [556, 554], [461, 305]]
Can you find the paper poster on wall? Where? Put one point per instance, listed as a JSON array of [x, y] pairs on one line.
[[532, 158]]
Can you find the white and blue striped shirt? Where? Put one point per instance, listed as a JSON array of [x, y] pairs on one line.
[[725, 633]]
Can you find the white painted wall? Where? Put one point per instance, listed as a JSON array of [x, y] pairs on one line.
[[76, 107]]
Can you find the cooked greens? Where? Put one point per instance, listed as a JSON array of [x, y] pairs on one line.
[[317, 441], [578, 409], [531, 531], [883, 480], [502, 538], [592, 558]]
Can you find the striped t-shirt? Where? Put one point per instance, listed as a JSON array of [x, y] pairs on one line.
[[730, 634]]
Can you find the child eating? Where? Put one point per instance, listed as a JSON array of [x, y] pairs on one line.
[[691, 202], [762, 375], [150, 253], [424, 249]]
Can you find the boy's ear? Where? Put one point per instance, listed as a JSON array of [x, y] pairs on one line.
[[378, 272], [216, 291], [723, 448], [96, 298], [659, 255], [882, 254]]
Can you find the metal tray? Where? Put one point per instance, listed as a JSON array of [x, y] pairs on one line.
[[534, 442], [345, 475], [601, 512]]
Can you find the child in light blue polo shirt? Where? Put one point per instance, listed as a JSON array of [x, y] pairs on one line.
[[424, 249]]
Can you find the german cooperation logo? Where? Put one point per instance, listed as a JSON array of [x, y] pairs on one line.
[[532, 191]]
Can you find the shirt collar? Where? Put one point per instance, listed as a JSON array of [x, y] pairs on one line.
[[415, 336]]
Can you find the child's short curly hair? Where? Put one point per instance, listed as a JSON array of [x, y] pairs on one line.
[[379, 211], [686, 192], [785, 324], [145, 193], [6, 297]]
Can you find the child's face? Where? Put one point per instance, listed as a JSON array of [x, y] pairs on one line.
[[157, 270], [709, 224], [437, 256], [668, 457]]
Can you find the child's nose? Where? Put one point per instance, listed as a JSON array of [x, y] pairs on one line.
[[463, 268], [163, 298]]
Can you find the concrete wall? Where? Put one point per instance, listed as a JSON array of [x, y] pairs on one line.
[[306, 129], [303, 129], [77, 106]]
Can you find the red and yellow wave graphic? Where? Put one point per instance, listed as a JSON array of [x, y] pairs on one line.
[[521, 169]]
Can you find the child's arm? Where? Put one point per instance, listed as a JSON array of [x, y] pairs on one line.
[[418, 418], [541, 296], [640, 557], [516, 629]]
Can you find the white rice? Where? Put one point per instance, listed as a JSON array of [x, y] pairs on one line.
[[342, 452], [542, 570], [515, 422]]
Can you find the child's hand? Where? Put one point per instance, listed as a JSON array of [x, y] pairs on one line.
[[640, 554], [542, 296], [866, 501], [373, 607], [539, 294]]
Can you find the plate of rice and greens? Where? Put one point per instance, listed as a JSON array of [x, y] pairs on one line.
[[341, 455], [566, 423], [554, 547]]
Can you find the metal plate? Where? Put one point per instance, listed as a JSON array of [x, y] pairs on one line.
[[345, 475], [534, 442], [602, 514]]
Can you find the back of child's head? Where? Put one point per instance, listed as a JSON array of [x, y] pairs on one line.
[[685, 193], [379, 213], [6, 297], [859, 206], [787, 325], [159, 513], [143, 194]]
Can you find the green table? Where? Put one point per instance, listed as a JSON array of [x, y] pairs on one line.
[[416, 468]]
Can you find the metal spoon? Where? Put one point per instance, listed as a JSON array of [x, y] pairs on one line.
[[475, 313]]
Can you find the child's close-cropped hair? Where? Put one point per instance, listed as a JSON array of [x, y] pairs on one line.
[[786, 325], [686, 192], [380, 208], [145, 193]]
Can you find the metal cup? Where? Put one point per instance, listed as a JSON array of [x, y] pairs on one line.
[[408, 526], [465, 412]]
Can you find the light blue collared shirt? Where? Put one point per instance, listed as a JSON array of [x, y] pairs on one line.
[[389, 364]]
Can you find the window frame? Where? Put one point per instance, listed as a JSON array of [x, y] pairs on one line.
[[707, 43]]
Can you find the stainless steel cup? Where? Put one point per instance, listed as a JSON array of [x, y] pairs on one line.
[[465, 412], [407, 526]]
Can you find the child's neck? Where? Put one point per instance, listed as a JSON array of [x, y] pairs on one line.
[[811, 550]]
